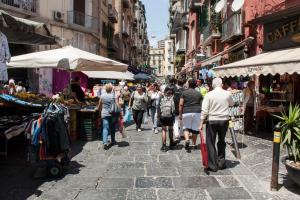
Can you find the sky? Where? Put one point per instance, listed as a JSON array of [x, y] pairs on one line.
[[157, 14]]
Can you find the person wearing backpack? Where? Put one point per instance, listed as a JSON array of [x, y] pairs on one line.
[[137, 103], [177, 124], [166, 115]]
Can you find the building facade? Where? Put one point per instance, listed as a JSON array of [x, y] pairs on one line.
[[157, 61], [168, 68]]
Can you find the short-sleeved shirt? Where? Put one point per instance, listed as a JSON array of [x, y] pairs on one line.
[[139, 101], [192, 101], [106, 99]]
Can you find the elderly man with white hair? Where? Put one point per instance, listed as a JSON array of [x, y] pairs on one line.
[[215, 111]]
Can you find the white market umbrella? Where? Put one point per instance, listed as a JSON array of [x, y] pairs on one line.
[[110, 75], [68, 58]]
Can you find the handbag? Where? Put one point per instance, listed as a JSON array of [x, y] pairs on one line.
[[114, 108]]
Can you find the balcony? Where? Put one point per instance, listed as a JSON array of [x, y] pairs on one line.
[[180, 47], [195, 5], [112, 14], [210, 32], [232, 27], [27, 6], [80, 19]]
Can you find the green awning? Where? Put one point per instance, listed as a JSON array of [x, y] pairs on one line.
[[24, 31]]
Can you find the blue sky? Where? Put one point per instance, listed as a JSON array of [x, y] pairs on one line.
[[157, 13]]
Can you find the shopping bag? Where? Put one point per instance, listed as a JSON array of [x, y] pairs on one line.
[[145, 118], [128, 116], [203, 150]]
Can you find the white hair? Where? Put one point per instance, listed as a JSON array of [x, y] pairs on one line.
[[217, 82]]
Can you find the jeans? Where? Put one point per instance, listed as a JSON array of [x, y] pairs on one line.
[[138, 117], [108, 128], [216, 158], [154, 116]]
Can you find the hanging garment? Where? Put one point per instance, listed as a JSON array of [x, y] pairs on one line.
[[4, 57]]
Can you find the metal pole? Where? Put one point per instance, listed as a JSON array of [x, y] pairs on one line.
[[276, 155]]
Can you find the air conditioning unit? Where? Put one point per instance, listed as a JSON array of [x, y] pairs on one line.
[[57, 16]]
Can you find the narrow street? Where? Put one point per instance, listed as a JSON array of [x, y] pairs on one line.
[[137, 169]]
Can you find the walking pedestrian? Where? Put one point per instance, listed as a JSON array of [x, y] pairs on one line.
[[154, 96], [215, 109], [125, 96], [248, 107], [166, 114], [190, 113], [108, 121], [138, 103], [178, 123]]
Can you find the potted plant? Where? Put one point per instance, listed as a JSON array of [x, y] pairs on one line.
[[290, 138]]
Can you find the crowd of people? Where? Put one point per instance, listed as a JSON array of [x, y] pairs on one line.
[[180, 107]]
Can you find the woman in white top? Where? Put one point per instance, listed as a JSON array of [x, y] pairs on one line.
[[154, 97]]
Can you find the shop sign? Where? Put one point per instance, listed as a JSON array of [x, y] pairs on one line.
[[254, 69], [282, 34], [236, 56]]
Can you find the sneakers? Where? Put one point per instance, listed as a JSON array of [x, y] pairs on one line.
[[153, 129], [139, 130], [105, 147], [164, 148], [156, 131], [187, 146]]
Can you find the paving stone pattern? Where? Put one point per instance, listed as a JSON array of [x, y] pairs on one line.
[[137, 169]]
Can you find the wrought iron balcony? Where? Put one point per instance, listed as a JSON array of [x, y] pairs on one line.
[[81, 19], [112, 13], [232, 27], [26, 5], [210, 32]]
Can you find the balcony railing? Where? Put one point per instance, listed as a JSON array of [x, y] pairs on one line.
[[210, 32], [232, 27], [112, 13], [28, 5], [81, 19]]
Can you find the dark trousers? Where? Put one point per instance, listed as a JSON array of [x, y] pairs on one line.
[[138, 117], [216, 157]]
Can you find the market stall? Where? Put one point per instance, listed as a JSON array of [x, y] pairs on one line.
[[276, 78]]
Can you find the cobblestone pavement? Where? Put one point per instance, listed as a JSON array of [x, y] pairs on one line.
[[137, 169]]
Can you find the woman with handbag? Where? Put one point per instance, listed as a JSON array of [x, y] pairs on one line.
[[110, 112], [154, 97], [137, 103]]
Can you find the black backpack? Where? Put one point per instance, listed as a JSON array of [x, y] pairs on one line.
[[177, 94]]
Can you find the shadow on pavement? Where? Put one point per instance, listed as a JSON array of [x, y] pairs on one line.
[[17, 174], [290, 185], [123, 144]]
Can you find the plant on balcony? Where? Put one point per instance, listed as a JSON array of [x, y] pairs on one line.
[[290, 138]]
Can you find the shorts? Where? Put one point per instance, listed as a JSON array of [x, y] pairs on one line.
[[191, 121], [164, 121]]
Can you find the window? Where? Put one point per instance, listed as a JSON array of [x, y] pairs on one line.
[[169, 70], [104, 30]]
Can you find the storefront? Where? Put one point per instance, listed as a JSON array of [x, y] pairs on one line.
[[275, 72]]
